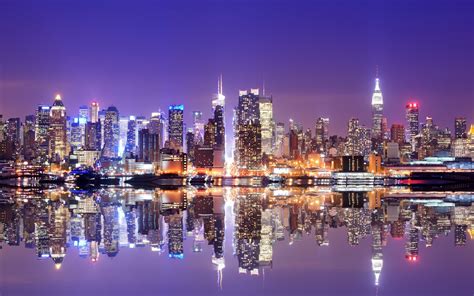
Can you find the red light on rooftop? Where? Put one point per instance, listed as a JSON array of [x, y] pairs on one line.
[[412, 258]]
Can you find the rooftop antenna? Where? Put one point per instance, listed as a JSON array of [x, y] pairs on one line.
[[219, 85]]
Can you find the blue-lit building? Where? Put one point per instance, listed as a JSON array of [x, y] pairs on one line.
[[176, 126]]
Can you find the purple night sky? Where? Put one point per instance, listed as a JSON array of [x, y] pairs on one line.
[[317, 58]]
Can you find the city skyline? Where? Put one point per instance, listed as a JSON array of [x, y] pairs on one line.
[[303, 64]]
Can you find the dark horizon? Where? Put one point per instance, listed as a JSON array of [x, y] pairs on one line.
[[317, 58]]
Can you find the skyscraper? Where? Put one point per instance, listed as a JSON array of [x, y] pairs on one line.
[[220, 127], [123, 133], [190, 144], [94, 112], [93, 136], [460, 128], [130, 146], [29, 144], [58, 137], [76, 134], [377, 111], [42, 131], [83, 115], [322, 132], [198, 126], [355, 138], [176, 126], [157, 126], [397, 133], [218, 108], [248, 134], [210, 133], [279, 136], [148, 146], [413, 123], [111, 132], [266, 122]]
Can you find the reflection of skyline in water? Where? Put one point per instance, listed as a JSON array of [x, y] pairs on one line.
[[102, 223]]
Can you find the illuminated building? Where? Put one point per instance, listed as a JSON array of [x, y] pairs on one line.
[[130, 147], [111, 132], [76, 134], [248, 221], [413, 123], [102, 123], [293, 143], [218, 108], [392, 152], [190, 144], [83, 115], [57, 131], [248, 134], [29, 143], [148, 146], [12, 140], [377, 256], [279, 138], [123, 134], [173, 161], [471, 140], [460, 148], [87, 157], [321, 132], [93, 136], [411, 245], [397, 133], [94, 112], [250, 145], [460, 128], [111, 229], [203, 157], [377, 111], [210, 133], [176, 126], [266, 122], [175, 236], [460, 235], [375, 164], [355, 138], [198, 126], [266, 239], [220, 129], [156, 126]]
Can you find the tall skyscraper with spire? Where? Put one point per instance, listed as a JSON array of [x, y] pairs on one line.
[[58, 133], [377, 111], [218, 108]]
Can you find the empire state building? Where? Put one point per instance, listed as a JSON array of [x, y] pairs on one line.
[[377, 111]]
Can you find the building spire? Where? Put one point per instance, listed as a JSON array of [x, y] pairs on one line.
[[219, 85], [377, 82]]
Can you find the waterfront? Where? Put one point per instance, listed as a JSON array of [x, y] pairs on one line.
[[228, 241]]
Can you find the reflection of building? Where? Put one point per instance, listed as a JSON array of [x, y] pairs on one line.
[[175, 236]]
